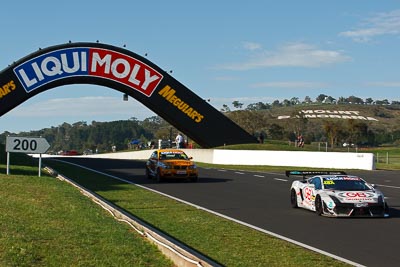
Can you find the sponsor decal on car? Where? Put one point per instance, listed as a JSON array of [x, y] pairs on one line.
[[171, 152], [87, 61], [308, 193], [357, 196], [341, 178]]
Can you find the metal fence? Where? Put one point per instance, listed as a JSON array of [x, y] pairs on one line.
[[387, 158]]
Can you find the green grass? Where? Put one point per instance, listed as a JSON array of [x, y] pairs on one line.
[[45, 222], [224, 241]]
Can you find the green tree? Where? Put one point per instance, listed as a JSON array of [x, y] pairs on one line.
[[355, 100], [237, 104], [276, 103], [320, 98], [331, 130], [369, 101], [275, 131], [225, 108], [307, 100]]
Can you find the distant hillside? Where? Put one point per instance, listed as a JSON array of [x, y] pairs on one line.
[[370, 125], [387, 117], [359, 124]]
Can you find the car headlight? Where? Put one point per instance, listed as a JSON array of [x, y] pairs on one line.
[[164, 166], [193, 167]]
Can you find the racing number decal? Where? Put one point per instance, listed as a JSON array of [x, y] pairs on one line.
[[308, 193]]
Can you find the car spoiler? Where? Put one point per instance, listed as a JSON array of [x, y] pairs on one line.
[[309, 173]]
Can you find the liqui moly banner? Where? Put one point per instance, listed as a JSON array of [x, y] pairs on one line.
[[124, 71], [86, 61]]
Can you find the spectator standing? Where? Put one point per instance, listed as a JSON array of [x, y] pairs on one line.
[[179, 141], [261, 138], [300, 141]]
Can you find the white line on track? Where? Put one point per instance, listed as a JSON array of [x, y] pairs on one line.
[[389, 186], [226, 217], [221, 170], [239, 172], [261, 176], [278, 179]]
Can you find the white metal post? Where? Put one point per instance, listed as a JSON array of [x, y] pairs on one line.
[[8, 163], [40, 164]]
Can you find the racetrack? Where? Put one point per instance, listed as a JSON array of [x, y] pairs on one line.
[[262, 200]]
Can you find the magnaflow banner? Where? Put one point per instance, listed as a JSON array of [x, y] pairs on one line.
[[127, 72]]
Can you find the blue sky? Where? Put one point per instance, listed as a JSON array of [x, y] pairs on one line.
[[249, 51]]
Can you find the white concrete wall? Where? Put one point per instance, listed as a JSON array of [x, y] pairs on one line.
[[335, 160]]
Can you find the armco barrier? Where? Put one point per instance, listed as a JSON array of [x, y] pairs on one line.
[[334, 160]]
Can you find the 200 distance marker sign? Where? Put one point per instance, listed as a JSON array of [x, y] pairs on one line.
[[28, 145]]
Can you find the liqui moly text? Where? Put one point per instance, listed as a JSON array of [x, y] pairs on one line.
[[87, 61]]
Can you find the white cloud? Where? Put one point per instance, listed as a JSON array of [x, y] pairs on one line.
[[226, 78], [290, 55], [381, 24], [383, 84], [83, 106], [295, 85], [251, 46]]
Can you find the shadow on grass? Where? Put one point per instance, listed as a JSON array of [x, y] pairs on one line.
[[19, 171]]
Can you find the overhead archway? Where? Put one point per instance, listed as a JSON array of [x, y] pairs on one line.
[[127, 72]]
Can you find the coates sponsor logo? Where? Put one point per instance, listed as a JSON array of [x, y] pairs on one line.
[[85, 61], [357, 195]]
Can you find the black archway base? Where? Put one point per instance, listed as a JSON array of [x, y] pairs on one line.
[[127, 72]]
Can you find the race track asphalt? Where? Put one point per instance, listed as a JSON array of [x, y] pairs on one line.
[[261, 199]]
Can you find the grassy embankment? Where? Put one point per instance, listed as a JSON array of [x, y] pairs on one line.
[[45, 222]]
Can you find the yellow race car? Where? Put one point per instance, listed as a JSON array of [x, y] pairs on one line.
[[171, 163]]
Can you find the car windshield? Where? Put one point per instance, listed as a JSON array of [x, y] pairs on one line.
[[170, 155], [345, 183]]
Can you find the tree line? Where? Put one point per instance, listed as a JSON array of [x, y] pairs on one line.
[[101, 136], [257, 119], [320, 99]]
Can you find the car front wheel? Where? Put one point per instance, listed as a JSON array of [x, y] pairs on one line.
[[159, 178], [319, 209], [148, 173]]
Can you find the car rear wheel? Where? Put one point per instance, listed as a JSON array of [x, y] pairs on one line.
[[194, 179], [386, 209], [318, 205], [148, 173], [293, 198]]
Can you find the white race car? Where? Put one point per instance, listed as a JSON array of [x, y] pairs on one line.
[[336, 194]]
